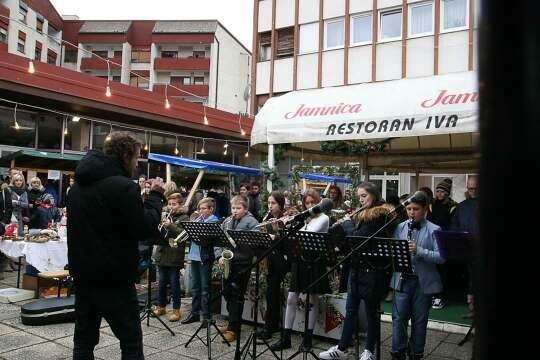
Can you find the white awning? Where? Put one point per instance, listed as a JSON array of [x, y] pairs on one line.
[[443, 104]]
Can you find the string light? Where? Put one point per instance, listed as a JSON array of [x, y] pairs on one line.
[[108, 88], [108, 137], [66, 126], [76, 119], [145, 141], [167, 103], [202, 149], [226, 146], [242, 132], [176, 151], [246, 155], [15, 123], [205, 118], [302, 159], [31, 68]]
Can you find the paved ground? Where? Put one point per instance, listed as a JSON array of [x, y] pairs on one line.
[[18, 341]]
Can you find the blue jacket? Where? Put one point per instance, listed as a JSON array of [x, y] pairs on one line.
[[426, 257], [195, 253]]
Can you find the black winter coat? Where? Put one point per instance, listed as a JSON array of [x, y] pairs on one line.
[[106, 220], [6, 209]]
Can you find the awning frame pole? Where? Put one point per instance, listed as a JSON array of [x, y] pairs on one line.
[[271, 165], [194, 188]]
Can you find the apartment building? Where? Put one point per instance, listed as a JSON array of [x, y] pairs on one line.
[[310, 44], [194, 60]]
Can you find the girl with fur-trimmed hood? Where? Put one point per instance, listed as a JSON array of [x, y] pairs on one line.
[[364, 283]]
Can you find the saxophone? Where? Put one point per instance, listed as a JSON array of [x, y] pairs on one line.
[[227, 254]]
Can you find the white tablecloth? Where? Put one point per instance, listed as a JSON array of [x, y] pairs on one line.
[[49, 256]]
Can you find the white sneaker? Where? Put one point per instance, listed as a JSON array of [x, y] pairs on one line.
[[437, 304], [333, 354], [367, 355]]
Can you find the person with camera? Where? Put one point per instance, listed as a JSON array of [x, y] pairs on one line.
[[106, 220]]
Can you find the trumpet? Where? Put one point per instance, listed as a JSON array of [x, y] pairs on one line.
[[164, 218], [227, 256], [184, 236]]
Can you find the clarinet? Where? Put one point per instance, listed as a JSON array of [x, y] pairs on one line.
[[409, 239]]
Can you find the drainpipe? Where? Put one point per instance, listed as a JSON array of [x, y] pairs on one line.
[[217, 71]]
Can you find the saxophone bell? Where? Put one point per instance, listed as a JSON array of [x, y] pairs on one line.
[[227, 256]]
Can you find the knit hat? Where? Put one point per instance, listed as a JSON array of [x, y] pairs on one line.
[[445, 185]]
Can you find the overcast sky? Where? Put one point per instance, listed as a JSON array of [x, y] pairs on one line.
[[235, 15]]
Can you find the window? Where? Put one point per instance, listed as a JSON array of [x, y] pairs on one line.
[[198, 80], [23, 12], [50, 132], [140, 56], [390, 25], [309, 38], [420, 19], [454, 14], [37, 54], [265, 46], [101, 53], [199, 54], [285, 43], [39, 25], [20, 45], [25, 136], [117, 53], [78, 136], [139, 82], [361, 29], [334, 33], [169, 54], [51, 57], [183, 80], [3, 35], [70, 56], [117, 78]]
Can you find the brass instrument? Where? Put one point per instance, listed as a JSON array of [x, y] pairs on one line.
[[227, 256], [164, 218], [184, 236]]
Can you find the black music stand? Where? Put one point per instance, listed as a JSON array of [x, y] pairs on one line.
[[259, 243], [379, 254], [207, 235], [309, 248], [148, 313]]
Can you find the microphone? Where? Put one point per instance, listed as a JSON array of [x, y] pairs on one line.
[[325, 205]]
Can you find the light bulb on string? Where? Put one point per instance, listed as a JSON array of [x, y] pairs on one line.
[[242, 132], [108, 88], [205, 119], [202, 149], [176, 151], [108, 91], [15, 123], [246, 154], [31, 68], [302, 159], [226, 146], [167, 103], [145, 142], [76, 119], [108, 137]]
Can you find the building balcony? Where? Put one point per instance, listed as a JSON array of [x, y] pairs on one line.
[[199, 90], [181, 64], [95, 63]]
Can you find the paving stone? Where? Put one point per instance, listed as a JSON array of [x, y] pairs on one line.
[[17, 340], [5, 329], [113, 352], [104, 341], [47, 351]]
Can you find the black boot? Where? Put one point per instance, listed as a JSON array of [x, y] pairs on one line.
[[416, 356], [191, 318], [307, 343], [283, 343]]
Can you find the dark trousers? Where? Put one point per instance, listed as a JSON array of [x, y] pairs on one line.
[[120, 308], [200, 288], [277, 269], [351, 318], [169, 275], [235, 288]]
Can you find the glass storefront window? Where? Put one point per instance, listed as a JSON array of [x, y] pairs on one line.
[[50, 132], [25, 136], [163, 144], [78, 136]]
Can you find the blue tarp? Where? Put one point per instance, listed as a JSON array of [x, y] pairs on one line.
[[324, 178], [203, 164]]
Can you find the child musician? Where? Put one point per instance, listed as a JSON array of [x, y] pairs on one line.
[[202, 259], [413, 292], [170, 257], [301, 279], [278, 267], [236, 286]]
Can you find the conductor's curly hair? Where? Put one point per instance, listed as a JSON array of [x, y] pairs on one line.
[[121, 143]]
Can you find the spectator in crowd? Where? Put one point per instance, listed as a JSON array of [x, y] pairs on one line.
[[47, 212], [440, 213], [35, 194], [6, 208], [142, 181], [255, 201], [170, 188], [19, 200], [335, 194], [466, 219]]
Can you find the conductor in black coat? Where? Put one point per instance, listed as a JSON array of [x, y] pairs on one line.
[[106, 219]]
